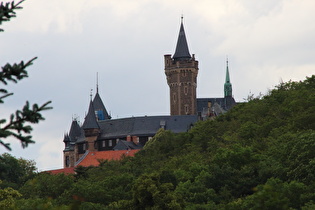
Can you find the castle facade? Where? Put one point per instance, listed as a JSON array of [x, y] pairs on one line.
[[100, 133]]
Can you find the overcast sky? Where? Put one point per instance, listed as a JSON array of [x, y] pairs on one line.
[[124, 41]]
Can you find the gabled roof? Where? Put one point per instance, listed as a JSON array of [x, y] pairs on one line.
[[126, 145], [94, 158], [182, 51], [99, 106], [90, 121], [60, 171], [225, 103], [145, 126]]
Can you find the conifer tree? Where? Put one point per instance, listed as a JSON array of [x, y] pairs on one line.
[[17, 124]]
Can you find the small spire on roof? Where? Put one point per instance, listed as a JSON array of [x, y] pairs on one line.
[[227, 61], [91, 94], [96, 82], [227, 84]]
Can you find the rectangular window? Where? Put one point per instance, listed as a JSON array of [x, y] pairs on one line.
[[103, 143], [84, 146], [186, 90], [186, 109], [110, 143], [67, 161]]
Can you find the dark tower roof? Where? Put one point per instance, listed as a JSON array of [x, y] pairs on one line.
[[182, 51], [75, 131], [90, 121], [66, 138], [99, 107]]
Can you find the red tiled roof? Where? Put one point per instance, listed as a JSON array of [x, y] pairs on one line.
[[93, 158], [63, 170]]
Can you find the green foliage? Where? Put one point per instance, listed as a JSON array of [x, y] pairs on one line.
[[14, 172], [7, 11], [149, 192], [47, 186], [7, 196], [18, 124]]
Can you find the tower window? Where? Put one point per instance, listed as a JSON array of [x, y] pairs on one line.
[[186, 109], [174, 97], [99, 114], [67, 161], [186, 90]]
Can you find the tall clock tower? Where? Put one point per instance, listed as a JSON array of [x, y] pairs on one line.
[[181, 72]]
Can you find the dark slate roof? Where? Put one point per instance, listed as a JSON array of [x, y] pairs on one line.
[[75, 132], [182, 51], [126, 145], [98, 105], [90, 119], [145, 126], [66, 138], [224, 103]]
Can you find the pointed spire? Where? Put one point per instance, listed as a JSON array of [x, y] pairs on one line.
[[227, 76], [75, 131], [227, 84], [100, 110], [182, 51], [90, 121]]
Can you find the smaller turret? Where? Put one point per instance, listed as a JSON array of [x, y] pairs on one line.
[[227, 84], [229, 101], [91, 128]]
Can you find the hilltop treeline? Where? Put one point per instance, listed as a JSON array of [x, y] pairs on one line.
[[259, 155]]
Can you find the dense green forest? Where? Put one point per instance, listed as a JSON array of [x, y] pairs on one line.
[[259, 155]]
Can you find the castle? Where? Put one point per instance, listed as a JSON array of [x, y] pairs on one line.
[[99, 134]]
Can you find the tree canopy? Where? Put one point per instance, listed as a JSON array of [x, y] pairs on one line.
[[259, 155]]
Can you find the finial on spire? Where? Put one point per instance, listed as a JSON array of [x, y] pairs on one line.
[[227, 60], [96, 82], [182, 17], [91, 94]]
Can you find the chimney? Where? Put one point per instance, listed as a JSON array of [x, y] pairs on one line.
[[135, 139]]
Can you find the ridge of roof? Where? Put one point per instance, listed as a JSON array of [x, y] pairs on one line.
[[60, 171]]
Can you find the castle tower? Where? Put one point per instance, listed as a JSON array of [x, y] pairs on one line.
[[70, 153], [91, 128], [228, 96], [181, 72], [227, 84]]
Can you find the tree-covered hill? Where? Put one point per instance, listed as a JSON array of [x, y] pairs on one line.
[[259, 155]]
